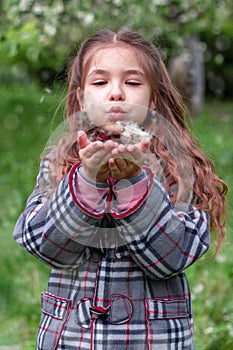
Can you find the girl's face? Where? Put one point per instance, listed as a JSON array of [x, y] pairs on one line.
[[115, 88]]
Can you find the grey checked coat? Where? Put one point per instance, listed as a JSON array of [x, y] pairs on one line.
[[130, 293]]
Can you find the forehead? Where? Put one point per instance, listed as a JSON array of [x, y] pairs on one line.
[[113, 56]]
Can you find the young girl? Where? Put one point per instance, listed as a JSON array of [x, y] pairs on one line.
[[119, 222]]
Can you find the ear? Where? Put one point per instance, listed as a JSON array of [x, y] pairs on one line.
[[80, 99]]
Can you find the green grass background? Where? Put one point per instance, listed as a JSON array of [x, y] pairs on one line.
[[27, 117]]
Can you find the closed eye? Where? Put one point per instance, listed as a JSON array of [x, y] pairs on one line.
[[133, 82], [99, 82]]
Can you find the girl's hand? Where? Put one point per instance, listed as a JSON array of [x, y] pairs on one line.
[[126, 160], [95, 157]]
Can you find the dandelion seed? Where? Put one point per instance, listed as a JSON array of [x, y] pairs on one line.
[[49, 91], [209, 330], [37, 9], [221, 258], [49, 29], [89, 18], [226, 318], [198, 288], [23, 5], [11, 122]]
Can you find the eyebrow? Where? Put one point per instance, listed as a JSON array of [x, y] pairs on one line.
[[127, 72]]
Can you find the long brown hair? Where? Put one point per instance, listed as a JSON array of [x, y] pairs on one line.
[[208, 191]]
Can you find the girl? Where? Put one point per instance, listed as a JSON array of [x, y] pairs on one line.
[[118, 234]]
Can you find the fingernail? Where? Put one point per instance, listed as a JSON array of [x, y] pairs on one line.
[[80, 133]]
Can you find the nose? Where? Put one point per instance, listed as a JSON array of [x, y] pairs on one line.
[[117, 93]]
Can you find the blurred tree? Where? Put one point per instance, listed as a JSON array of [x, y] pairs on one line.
[[39, 36], [188, 73]]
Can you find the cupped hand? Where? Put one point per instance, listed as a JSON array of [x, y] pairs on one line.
[[127, 160], [95, 157]]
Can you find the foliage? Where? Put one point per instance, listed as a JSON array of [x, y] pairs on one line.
[[27, 119], [26, 113], [218, 60], [211, 284], [39, 36]]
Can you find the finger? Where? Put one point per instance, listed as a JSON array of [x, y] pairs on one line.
[[120, 170], [119, 149], [90, 149], [96, 154], [121, 163], [144, 145], [131, 148], [110, 145], [115, 171], [124, 166], [101, 152], [136, 154], [82, 139], [130, 152], [112, 162], [94, 148]]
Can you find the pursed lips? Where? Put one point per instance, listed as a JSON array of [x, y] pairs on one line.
[[116, 113]]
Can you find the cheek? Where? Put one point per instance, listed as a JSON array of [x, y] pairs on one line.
[[142, 116], [89, 99], [138, 114], [143, 97], [93, 107], [95, 113]]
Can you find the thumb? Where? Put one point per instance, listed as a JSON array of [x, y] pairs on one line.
[[82, 139]]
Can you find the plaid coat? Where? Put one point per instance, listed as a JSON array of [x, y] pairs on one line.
[[117, 280]]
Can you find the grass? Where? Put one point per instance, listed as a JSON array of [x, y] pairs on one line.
[[25, 114], [212, 284]]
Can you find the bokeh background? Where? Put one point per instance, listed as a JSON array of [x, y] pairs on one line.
[[38, 40]]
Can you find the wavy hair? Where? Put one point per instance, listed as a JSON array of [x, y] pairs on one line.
[[208, 190]]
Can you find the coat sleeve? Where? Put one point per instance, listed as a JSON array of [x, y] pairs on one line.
[[54, 229], [164, 239]]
